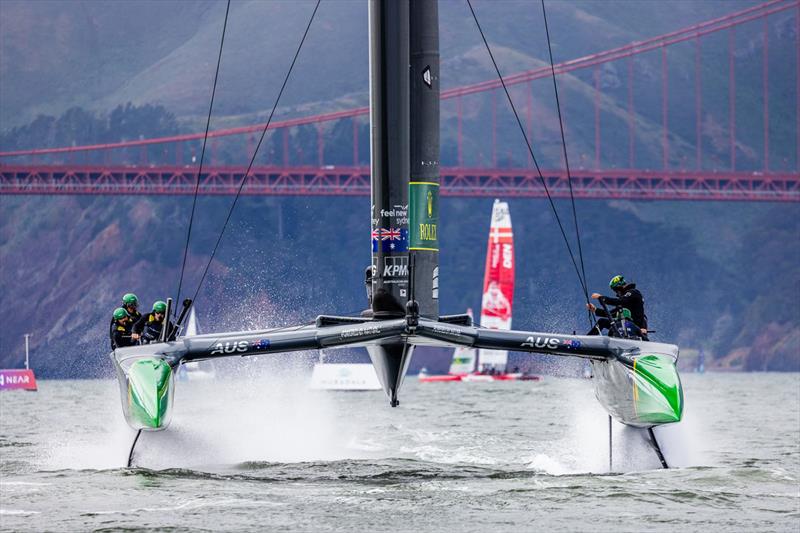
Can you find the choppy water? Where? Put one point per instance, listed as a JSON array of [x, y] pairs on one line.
[[271, 455]]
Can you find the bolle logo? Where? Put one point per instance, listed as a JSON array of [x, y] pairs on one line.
[[549, 343], [230, 347]]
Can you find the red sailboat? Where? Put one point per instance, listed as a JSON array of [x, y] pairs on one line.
[[496, 309]]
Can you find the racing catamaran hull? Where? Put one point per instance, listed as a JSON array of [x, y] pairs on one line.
[[643, 392], [147, 384]]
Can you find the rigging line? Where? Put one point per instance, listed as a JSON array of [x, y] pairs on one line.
[[202, 156], [530, 150], [566, 161], [255, 152]]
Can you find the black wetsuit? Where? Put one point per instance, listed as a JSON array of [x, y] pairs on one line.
[[113, 329], [150, 329], [632, 300], [121, 335]]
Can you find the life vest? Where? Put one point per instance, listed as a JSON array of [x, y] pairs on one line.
[[152, 328]]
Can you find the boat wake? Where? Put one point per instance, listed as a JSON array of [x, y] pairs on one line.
[[274, 424]]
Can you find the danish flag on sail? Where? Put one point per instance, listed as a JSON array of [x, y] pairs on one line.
[[498, 283]]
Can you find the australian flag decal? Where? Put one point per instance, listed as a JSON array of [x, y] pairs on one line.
[[390, 239]]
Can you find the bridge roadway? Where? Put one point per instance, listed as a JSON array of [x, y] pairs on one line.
[[354, 181]]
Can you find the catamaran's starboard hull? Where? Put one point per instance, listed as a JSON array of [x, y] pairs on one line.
[[643, 392]]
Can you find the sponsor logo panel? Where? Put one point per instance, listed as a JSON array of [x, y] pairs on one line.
[[423, 198], [17, 379], [550, 343], [395, 266], [360, 332], [230, 347]]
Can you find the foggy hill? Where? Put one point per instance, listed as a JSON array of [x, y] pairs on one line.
[[58, 55]]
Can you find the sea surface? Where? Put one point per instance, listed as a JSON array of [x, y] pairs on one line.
[[267, 454]]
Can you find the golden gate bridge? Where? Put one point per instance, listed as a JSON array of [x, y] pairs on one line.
[[44, 171]]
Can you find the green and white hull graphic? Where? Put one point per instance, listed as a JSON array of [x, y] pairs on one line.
[[147, 387], [641, 391]]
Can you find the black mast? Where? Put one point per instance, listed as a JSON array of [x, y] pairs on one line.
[[389, 132], [424, 186], [404, 121]]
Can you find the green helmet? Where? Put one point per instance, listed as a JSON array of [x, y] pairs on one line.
[[130, 299], [624, 313], [617, 282], [120, 313], [160, 306]]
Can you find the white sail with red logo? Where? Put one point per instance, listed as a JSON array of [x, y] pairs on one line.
[[498, 284]]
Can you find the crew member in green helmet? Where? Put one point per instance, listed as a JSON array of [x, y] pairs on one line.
[[148, 328], [625, 326], [121, 324], [627, 297], [130, 303]]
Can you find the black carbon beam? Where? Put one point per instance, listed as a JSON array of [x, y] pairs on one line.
[[370, 333], [390, 343]]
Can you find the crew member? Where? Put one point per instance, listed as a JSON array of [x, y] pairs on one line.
[[131, 304], [627, 297], [625, 326], [121, 324], [148, 328]]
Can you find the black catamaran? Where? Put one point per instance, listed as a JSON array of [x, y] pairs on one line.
[[636, 382]]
